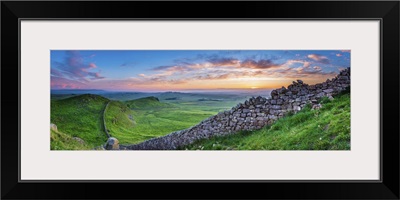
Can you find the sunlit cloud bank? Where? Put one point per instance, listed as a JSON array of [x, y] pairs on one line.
[[185, 70]]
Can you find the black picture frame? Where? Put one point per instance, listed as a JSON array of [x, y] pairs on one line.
[[386, 11]]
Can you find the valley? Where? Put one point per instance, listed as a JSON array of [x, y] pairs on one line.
[[133, 117]]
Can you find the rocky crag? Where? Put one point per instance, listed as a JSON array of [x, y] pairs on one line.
[[253, 114]]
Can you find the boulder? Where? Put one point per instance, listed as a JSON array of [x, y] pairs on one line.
[[328, 90], [296, 108], [316, 106], [112, 144], [78, 140], [53, 127]]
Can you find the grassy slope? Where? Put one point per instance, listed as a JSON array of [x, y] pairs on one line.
[[120, 120], [145, 103], [324, 129], [62, 141], [152, 119], [80, 116]]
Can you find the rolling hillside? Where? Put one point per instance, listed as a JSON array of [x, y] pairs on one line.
[[130, 122], [145, 103], [154, 118], [135, 121], [80, 116], [120, 120]]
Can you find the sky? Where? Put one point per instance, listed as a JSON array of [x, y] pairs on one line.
[[181, 70]]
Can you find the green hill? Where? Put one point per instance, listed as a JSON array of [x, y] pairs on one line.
[[151, 117], [145, 103], [120, 120], [325, 129], [80, 116], [62, 141]]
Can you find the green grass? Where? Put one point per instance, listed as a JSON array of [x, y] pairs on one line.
[[119, 120], [152, 118], [324, 129], [62, 141], [145, 103], [137, 120], [80, 116], [132, 121]]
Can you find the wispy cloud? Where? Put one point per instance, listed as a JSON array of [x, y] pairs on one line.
[[128, 64], [56, 72], [75, 68], [95, 75], [319, 58], [92, 65], [63, 83], [260, 64], [214, 70], [223, 61], [223, 68]]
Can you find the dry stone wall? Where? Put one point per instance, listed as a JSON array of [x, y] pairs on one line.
[[253, 114]]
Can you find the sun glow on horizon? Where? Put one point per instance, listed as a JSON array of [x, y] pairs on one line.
[[188, 69]]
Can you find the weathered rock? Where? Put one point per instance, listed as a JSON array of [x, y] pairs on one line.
[[79, 140], [53, 127], [276, 107], [99, 148], [112, 144], [316, 106], [314, 101], [328, 90]]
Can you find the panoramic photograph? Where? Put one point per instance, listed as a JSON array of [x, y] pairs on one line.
[[133, 100]]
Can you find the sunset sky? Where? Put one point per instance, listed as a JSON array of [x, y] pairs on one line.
[[179, 70]]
